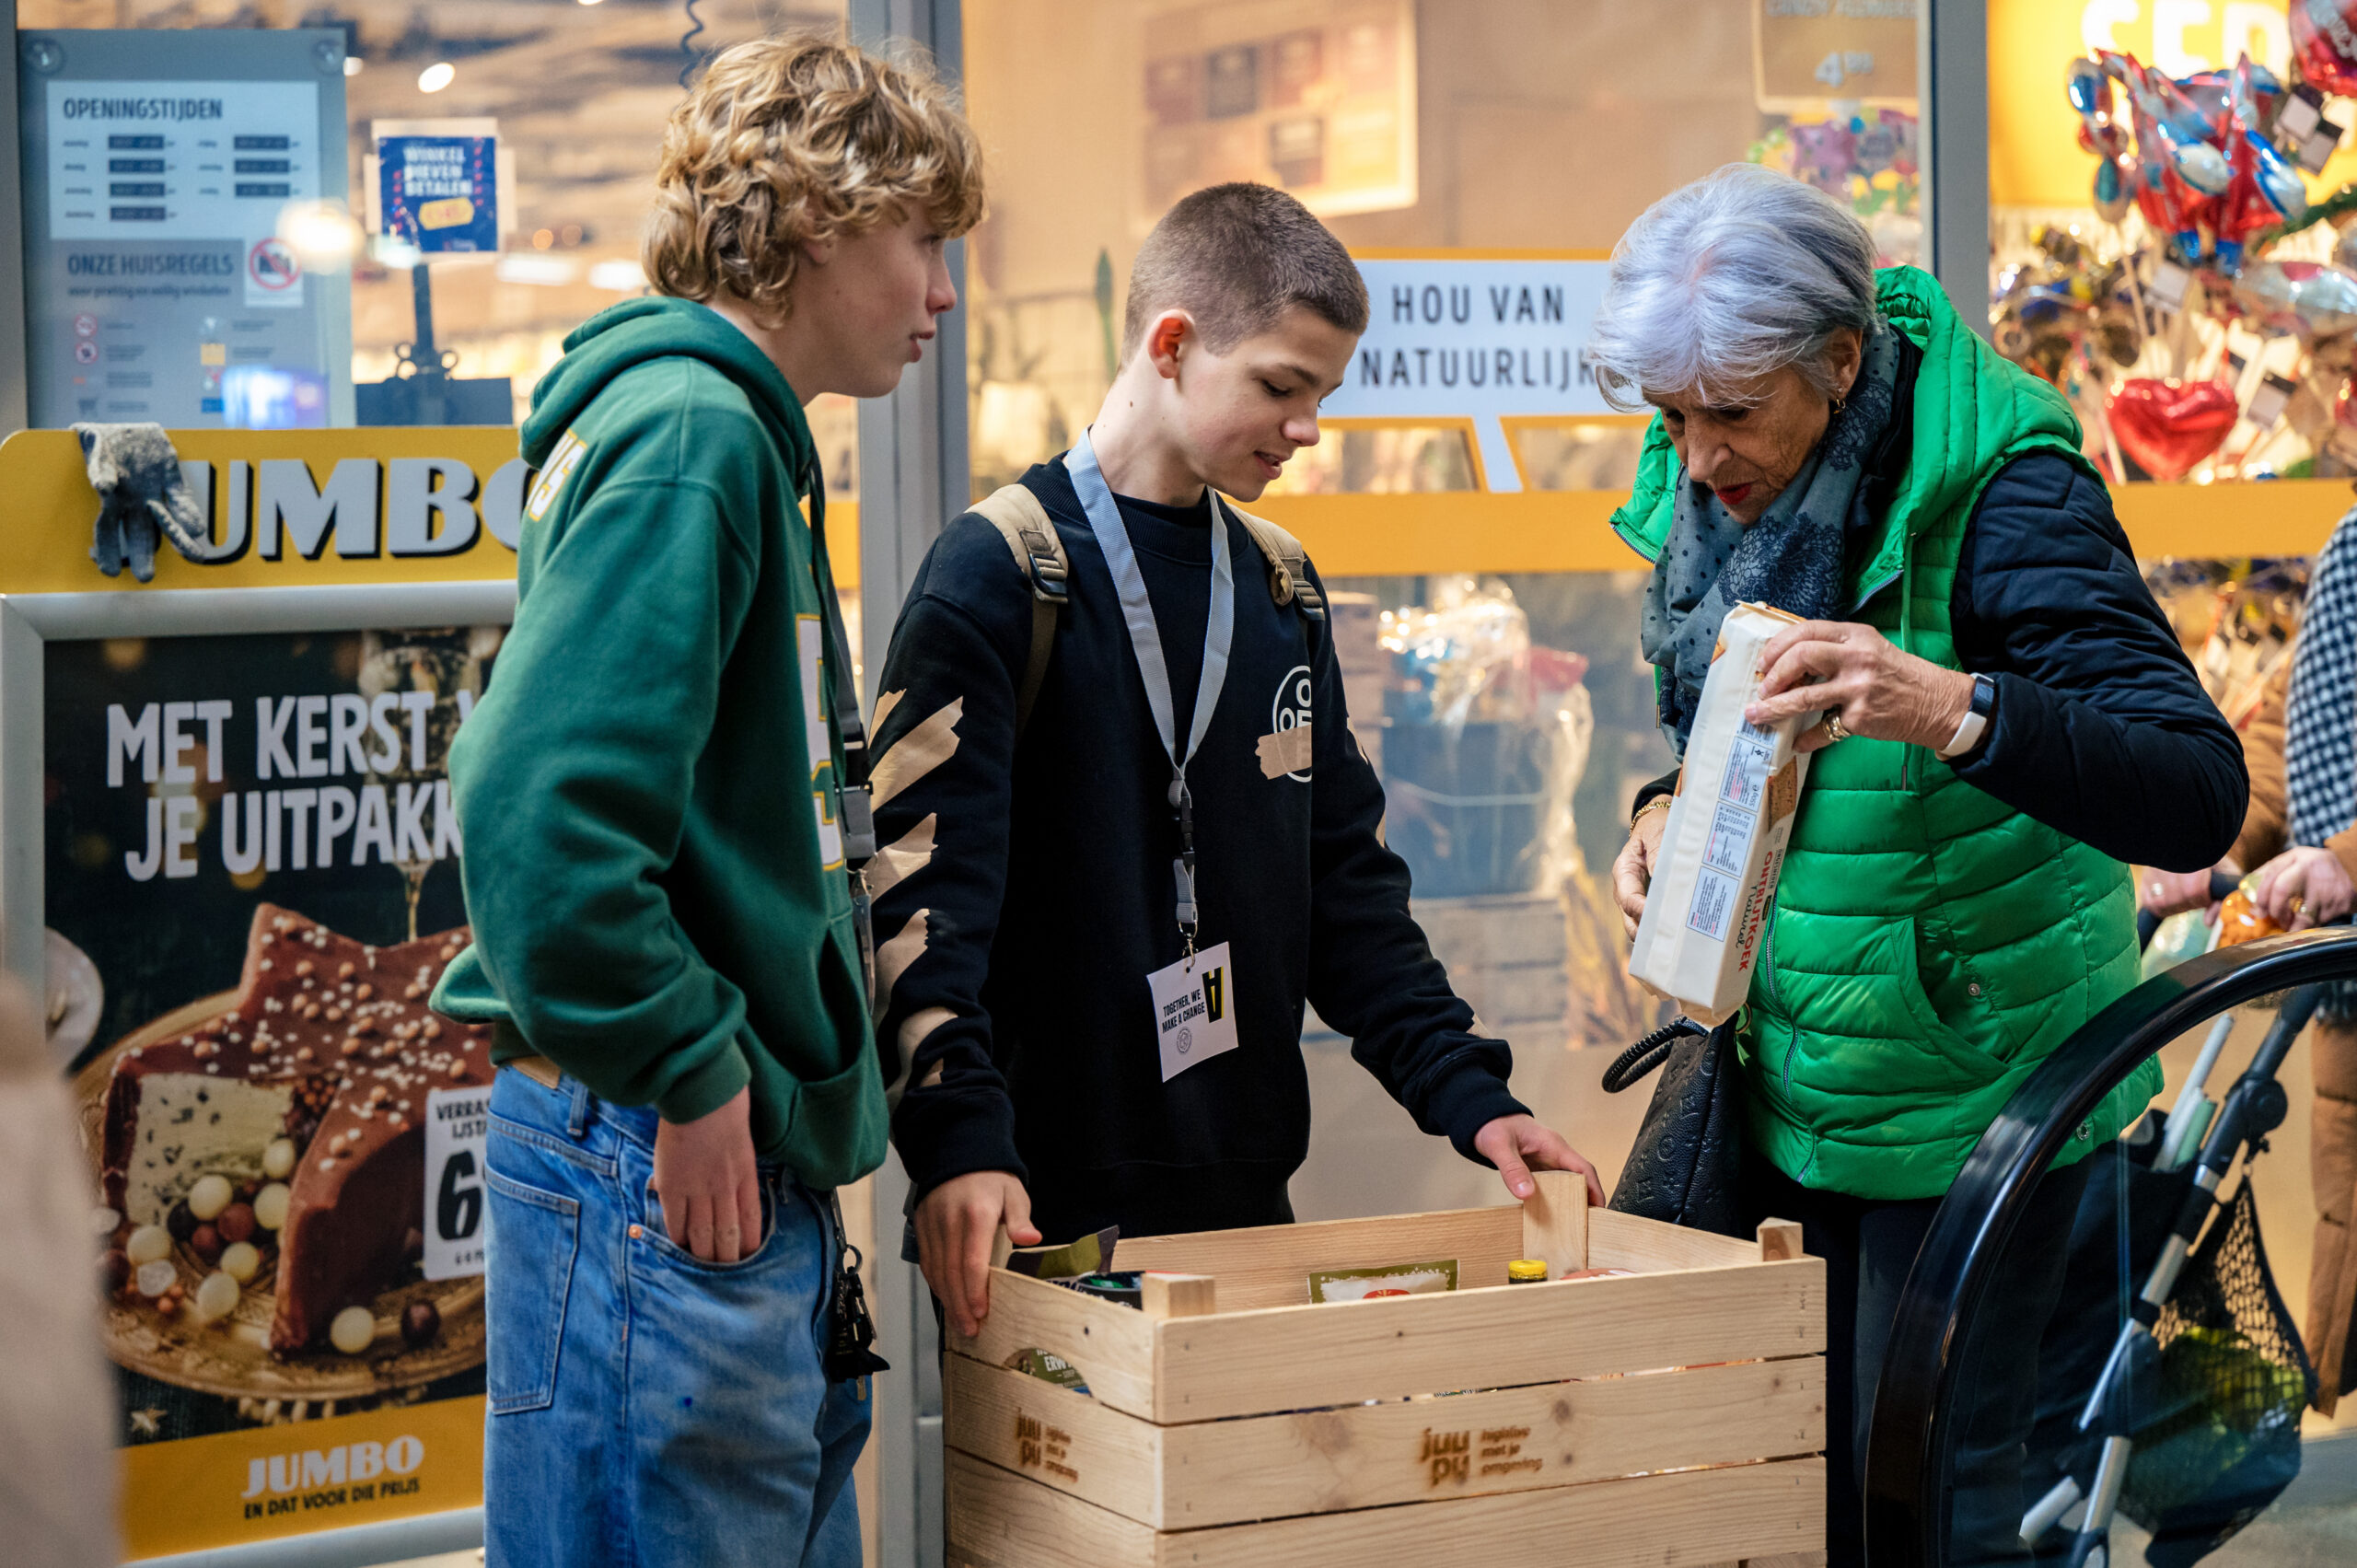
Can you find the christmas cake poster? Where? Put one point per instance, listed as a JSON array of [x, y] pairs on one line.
[[251, 867]]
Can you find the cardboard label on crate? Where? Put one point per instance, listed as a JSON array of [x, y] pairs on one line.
[[1722, 846]]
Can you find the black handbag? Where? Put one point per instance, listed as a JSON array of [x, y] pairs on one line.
[[1683, 1168]]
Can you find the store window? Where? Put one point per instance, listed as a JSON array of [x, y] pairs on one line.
[[1485, 616], [573, 95]]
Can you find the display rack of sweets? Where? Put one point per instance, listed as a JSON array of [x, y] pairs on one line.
[[1227, 1420]]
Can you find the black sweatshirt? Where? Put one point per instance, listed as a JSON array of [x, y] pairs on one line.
[[1024, 892], [2102, 729]]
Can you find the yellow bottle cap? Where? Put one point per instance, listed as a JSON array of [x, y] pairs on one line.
[[1526, 1271]]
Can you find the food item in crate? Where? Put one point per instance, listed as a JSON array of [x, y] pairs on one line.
[[1123, 1287], [1600, 1274], [317, 1073], [1404, 1279], [1047, 1368], [1723, 848], [1527, 1272], [1089, 1255]]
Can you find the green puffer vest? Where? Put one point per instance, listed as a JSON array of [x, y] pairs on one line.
[[1931, 946]]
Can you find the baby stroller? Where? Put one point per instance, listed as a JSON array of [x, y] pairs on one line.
[[2173, 1393]]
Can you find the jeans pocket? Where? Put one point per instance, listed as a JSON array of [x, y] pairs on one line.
[[657, 1237], [527, 1329]]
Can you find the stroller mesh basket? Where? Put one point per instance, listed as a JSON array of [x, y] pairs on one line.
[[2219, 1437]]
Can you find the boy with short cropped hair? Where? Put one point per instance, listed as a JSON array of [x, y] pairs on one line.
[[656, 781], [1126, 830]]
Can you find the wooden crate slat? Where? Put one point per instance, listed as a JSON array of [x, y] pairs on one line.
[[1001, 1520], [1314, 1357], [1369, 1455], [1270, 1265], [1112, 1345], [1616, 1241]]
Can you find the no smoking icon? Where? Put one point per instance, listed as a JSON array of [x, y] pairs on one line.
[[86, 325]]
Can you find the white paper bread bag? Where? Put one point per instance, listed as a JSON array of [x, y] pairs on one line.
[[1714, 879]]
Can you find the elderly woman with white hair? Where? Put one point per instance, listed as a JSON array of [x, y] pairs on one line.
[[2008, 723]]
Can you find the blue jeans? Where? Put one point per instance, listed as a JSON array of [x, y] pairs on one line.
[[647, 1409]]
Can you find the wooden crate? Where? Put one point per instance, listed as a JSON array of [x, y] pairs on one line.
[[1674, 1416]]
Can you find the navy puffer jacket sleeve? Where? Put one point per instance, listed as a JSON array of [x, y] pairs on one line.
[[2102, 729]]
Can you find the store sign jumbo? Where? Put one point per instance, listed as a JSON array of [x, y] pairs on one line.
[[1489, 341], [367, 508], [284, 507]]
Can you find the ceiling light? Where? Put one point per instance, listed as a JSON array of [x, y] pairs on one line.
[[437, 76], [617, 277], [526, 267], [322, 234]]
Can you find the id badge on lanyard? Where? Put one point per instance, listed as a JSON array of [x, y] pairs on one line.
[[1193, 999]]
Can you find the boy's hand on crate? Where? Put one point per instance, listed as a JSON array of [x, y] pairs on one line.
[[1517, 1144], [957, 1224]]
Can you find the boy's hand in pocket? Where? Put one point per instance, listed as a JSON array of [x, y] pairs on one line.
[[710, 1186]]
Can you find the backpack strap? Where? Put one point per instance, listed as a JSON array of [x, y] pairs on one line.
[[1038, 553], [1288, 564]]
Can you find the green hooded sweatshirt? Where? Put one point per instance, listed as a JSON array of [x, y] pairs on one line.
[[1930, 947], [653, 870]]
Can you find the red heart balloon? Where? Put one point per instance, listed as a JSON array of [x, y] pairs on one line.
[[2168, 426], [2324, 36]]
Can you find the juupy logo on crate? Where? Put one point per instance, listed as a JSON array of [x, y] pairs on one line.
[[1449, 1455]]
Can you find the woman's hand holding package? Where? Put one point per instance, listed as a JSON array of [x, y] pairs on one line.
[[1633, 868], [1878, 689], [2303, 886]]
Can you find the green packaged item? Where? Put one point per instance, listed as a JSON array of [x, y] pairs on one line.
[[1047, 1368], [1089, 1255]]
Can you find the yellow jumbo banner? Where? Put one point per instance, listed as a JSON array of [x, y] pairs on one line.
[[300, 507], [237, 1487]]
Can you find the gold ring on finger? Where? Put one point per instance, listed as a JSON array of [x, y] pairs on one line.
[[1833, 725]]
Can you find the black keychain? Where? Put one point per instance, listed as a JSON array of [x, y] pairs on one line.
[[850, 1329]]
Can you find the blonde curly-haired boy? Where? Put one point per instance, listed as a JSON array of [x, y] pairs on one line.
[[662, 927]]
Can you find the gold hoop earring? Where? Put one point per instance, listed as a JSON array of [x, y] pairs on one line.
[[1841, 401]]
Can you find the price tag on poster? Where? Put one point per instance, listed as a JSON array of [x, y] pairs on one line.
[[248, 887], [457, 1133]]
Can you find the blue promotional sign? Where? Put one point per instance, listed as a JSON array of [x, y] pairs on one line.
[[440, 193], [1492, 340]]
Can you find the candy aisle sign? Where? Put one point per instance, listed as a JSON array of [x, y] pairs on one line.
[[249, 885], [1473, 339], [436, 184]]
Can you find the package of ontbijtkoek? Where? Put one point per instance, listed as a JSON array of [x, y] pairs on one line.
[[1714, 879]]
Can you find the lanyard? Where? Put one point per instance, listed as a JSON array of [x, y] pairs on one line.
[[1145, 641], [859, 823]]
